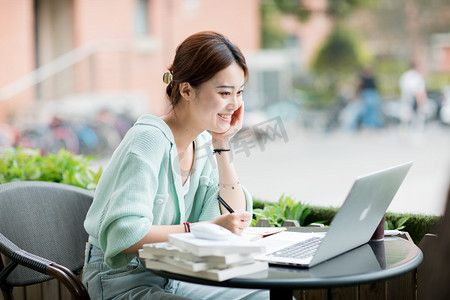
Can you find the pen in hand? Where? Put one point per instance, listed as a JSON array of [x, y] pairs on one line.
[[225, 204]]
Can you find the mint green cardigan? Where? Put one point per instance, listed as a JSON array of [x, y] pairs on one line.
[[141, 186]]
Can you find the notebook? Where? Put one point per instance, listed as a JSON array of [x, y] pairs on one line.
[[352, 226]]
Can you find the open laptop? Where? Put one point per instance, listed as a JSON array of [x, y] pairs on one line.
[[352, 226]]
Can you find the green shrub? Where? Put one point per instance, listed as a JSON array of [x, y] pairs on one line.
[[17, 164], [322, 215], [259, 204], [276, 213], [416, 225], [273, 213]]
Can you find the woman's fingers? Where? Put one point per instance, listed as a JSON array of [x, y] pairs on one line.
[[235, 222], [240, 221], [238, 117]]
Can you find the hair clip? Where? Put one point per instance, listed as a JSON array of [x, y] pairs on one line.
[[167, 77]]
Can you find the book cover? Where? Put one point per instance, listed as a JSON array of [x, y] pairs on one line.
[[203, 247], [211, 274]]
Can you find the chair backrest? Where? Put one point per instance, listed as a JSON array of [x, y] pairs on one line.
[[46, 219]]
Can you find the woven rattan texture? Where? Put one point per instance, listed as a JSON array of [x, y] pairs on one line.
[[45, 219]]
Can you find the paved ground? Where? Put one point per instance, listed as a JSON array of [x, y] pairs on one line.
[[319, 169]]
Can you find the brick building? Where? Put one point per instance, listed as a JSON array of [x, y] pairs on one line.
[[103, 50]]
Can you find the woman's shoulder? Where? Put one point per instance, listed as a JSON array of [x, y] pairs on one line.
[[148, 135], [153, 127]]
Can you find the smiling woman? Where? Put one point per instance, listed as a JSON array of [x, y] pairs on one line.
[[167, 174]]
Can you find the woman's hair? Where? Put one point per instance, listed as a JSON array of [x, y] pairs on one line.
[[198, 58]]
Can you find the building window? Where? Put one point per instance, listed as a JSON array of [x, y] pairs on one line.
[[271, 86], [142, 22]]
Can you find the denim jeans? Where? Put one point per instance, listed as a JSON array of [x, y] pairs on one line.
[[372, 116], [135, 281]]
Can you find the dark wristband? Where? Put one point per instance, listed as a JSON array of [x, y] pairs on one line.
[[218, 151]]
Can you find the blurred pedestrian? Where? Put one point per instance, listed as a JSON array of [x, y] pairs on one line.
[[371, 114], [413, 99], [351, 113]]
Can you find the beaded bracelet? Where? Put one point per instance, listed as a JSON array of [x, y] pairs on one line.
[[226, 185], [187, 227], [218, 151]]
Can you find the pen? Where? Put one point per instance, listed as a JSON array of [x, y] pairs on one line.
[[225, 204]]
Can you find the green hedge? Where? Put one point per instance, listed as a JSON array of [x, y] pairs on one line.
[[415, 224], [20, 164]]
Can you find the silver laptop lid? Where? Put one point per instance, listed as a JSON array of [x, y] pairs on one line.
[[362, 211]]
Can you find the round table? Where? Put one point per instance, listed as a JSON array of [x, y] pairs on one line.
[[374, 261]]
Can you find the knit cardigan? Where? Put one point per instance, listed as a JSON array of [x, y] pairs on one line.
[[141, 186]]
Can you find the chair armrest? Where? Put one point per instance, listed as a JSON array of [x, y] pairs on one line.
[[22, 257], [41, 265], [69, 279]]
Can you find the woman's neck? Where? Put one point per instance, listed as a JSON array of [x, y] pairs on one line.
[[182, 129]]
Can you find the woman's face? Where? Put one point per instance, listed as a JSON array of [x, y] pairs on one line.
[[215, 101]]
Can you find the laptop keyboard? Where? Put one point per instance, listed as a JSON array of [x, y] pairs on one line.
[[301, 250]]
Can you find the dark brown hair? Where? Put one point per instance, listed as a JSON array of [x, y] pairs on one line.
[[198, 58]]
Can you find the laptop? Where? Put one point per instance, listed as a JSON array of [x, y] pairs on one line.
[[353, 225]]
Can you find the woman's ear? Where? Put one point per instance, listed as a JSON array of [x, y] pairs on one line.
[[186, 90]]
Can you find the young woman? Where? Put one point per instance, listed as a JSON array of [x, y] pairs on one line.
[[166, 174]]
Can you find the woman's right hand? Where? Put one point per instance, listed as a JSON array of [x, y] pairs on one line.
[[235, 222]]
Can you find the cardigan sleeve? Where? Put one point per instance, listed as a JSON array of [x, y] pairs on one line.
[[124, 203], [129, 216]]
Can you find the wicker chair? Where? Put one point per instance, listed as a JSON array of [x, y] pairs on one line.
[[42, 235]]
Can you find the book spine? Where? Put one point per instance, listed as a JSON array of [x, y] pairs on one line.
[[213, 274]]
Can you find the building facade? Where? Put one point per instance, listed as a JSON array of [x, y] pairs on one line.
[[103, 51]]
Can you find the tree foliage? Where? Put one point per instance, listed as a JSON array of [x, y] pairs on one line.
[[339, 54], [272, 35]]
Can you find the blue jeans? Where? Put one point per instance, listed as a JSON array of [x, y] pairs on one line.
[[135, 281], [372, 116]]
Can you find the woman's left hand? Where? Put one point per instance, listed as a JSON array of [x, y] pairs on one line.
[[237, 119]]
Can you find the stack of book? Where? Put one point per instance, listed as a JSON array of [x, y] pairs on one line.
[[209, 259]]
